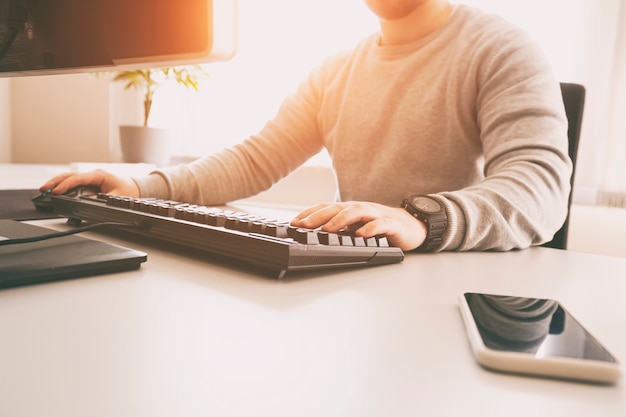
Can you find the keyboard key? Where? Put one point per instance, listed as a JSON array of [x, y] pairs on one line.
[[330, 239], [276, 230], [382, 242], [346, 240], [371, 242], [306, 236]]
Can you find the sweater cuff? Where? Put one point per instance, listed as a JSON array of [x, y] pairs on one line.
[[154, 185]]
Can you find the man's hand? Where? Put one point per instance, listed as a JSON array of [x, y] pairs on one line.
[[366, 220], [106, 182]]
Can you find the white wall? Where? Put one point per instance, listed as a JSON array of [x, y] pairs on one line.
[[59, 119]]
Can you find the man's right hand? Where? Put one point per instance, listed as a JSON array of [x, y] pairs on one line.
[[105, 181]]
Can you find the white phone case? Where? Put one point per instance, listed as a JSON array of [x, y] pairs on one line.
[[534, 363]]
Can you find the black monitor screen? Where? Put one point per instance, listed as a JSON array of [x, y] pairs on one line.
[[48, 36]]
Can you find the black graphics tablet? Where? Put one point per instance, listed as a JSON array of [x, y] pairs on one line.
[[59, 258]]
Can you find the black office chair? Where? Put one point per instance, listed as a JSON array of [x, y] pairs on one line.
[[574, 100]]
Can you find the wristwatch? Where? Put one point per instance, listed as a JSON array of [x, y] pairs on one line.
[[433, 214]]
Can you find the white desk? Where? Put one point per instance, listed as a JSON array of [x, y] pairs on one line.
[[185, 337]]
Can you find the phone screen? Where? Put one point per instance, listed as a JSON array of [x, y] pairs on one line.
[[532, 325]]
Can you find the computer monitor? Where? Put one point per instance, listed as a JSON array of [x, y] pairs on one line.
[[64, 36]]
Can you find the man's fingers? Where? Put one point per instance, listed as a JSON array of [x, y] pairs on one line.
[[316, 216], [338, 216]]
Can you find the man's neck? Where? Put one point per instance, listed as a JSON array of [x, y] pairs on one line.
[[425, 19]]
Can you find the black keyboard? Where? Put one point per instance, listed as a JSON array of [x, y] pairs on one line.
[[270, 246]]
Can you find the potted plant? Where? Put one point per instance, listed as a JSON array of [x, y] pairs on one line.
[[145, 143]]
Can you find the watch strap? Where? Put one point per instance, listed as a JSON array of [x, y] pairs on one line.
[[435, 223]]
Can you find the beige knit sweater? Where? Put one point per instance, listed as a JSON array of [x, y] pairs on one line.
[[471, 114]]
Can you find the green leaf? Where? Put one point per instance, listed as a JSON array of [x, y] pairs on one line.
[[147, 81]]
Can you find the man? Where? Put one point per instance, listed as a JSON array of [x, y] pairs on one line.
[[446, 103]]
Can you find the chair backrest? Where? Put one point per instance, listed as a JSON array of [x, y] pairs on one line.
[[574, 100]]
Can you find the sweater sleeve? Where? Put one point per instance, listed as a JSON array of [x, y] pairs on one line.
[[250, 167], [523, 198]]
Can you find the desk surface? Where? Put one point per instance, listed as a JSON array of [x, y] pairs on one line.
[[186, 337]]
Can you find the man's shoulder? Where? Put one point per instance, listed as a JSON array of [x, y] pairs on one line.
[[478, 25], [488, 38]]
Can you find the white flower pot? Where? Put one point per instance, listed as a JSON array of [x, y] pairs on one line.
[[141, 144]]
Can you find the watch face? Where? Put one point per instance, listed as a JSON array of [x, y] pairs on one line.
[[426, 204]]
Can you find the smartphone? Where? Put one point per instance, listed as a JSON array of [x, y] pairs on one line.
[[534, 336]]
